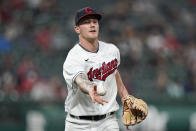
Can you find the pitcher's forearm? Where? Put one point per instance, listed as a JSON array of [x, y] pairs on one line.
[[83, 82], [122, 91]]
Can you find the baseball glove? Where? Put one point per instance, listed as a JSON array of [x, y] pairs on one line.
[[134, 110]]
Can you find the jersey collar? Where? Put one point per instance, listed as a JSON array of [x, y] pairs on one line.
[[88, 50]]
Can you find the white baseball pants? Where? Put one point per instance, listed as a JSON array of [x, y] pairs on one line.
[[110, 123]]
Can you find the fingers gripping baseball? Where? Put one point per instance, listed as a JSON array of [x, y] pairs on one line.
[[88, 87], [95, 97]]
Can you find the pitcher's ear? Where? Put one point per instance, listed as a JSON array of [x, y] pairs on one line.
[[77, 29]]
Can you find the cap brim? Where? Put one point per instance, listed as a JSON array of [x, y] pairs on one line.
[[97, 15]]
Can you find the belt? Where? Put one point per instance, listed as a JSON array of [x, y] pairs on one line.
[[95, 118]]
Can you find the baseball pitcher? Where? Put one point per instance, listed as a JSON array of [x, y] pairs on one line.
[[93, 81]]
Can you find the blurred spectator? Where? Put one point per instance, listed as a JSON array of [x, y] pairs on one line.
[[14, 29], [8, 8], [175, 89], [27, 75], [5, 44], [59, 90], [187, 17], [131, 47], [17, 4], [155, 41], [135, 45], [48, 90], [9, 85], [142, 6], [5, 11], [59, 40], [190, 57], [33, 4], [42, 91], [171, 44], [161, 81], [8, 79], [43, 38]]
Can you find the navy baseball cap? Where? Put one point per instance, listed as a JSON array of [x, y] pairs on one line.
[[82, 13]]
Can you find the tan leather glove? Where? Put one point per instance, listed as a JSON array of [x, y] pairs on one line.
[[134, 110]]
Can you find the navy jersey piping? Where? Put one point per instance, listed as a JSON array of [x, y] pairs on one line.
[[88, 50]]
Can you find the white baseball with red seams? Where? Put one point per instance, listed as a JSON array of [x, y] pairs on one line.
[[101, 90]]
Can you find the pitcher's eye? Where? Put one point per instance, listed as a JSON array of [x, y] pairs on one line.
[[85, 22], [95, 21]]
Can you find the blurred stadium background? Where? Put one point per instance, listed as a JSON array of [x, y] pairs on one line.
[[157, 40]]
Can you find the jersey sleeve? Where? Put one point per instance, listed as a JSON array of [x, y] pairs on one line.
[[117, 54], [71, 68]]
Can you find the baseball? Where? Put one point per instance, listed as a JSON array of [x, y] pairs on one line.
[[101, 90]]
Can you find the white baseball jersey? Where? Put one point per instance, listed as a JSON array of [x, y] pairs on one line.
[[100, 67]]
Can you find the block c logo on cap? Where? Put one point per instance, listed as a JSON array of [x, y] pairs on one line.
[[88, 10]]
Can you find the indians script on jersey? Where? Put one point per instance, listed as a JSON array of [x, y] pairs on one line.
[[104, 71]]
